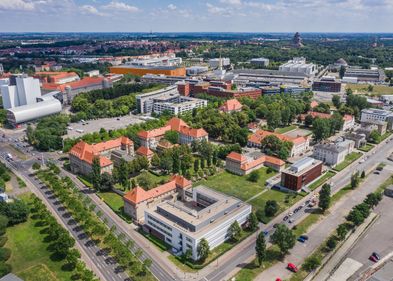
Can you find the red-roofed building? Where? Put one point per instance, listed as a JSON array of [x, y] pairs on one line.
[[57, 78], [243, 164], [232, 105], [349, 120], [82, 154], [145, 152], [300, 144], [137, 200], [151, 138]]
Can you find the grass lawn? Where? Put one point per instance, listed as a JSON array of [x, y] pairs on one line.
[[385, 136], [154, 178], [350, 158], [237, 186], [30, 258], [304, 225], [285, 129], [85, 181], [367, 147], [285, 200], [251, 270], [377, 89], [116, 203], [321, 180]]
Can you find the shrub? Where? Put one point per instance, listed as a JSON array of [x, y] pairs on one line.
[[253, 176], [311, 263], [3, 240], [5, 254], [331, 243], [4, 269]]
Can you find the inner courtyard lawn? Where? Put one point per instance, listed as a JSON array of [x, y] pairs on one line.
[[237, 186]]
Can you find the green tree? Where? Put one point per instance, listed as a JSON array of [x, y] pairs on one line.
[[145, 181], [260, 248], [96, 173], [336, 100], [356, 217], [342, 231], [321, 129], [271, 208], [235, 231], [155, 160], [252, 222], [284, 238], [311, 263], [324, 197], [308, 120], [331, 243], [375, 137], [72, 258], [254, 176], [196, 165], [36, 166], [106, 183], [172, 136], [203, 249], [342, 72]]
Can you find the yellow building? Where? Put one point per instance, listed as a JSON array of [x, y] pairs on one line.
[[140, 70]]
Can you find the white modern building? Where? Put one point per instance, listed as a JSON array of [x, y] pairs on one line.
[[201, 213], [145, 102], [299, 65], [29, 112], [196, 70], [333, 154], [170, 60], [177, 104], [372, 114], [217, 62], [22, 90]]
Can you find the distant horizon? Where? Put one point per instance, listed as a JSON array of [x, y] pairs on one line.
[[164, 16]]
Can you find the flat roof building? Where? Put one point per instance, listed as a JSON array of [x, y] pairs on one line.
[[143, 70], [299, 65], [333, 154], [177, 104], [261, 62], [301, 173]]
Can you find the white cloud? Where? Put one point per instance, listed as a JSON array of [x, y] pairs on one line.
[[120, 6], [172, 7], [232, 2], [21, 5], [89, 9], [215, 10]]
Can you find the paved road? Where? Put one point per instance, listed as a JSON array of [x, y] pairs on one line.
[[107, 266], [233, 261], [376, 239]]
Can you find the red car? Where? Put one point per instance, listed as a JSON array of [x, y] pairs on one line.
[[292, 267], [373, 258], [278, 279]]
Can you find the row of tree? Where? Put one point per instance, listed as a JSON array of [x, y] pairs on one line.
[[83, 211]]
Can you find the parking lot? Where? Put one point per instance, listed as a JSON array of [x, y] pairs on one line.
[[78, 129]]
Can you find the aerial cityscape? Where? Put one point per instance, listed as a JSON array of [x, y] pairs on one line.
[[222, 140]]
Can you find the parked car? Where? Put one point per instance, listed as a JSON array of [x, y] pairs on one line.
[[292, 267], [376, 172], [301, 239], [378, 257], [372, 258], [285, 218], [305, 237], [291, 220]]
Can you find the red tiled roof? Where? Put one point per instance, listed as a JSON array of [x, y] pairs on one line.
[[314, 104], [231, 105], [348, 117], [159, 132], [176, 124], [138, 194], [87, 152], [144, 151], [261, 134], [195, 133], [236, 156], [85, 82]]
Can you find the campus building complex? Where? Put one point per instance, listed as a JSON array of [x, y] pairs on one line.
[[333, 154], [181, 215], [243, 164], [82, 154], [187, 135]]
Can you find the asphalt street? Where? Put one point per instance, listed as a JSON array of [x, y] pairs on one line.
[[107, 266]]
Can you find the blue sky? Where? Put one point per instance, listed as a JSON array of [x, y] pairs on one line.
[[197, 15]]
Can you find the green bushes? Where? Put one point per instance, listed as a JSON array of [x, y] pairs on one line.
[[5, 254]]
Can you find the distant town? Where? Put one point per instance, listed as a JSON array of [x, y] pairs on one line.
[[187, 157]]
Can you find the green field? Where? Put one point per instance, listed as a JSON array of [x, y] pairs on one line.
[[321, 180], [377, 89], [30, 258], [237, 186], [285, 129], [349, 159], [113, 200], [285, 200]]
